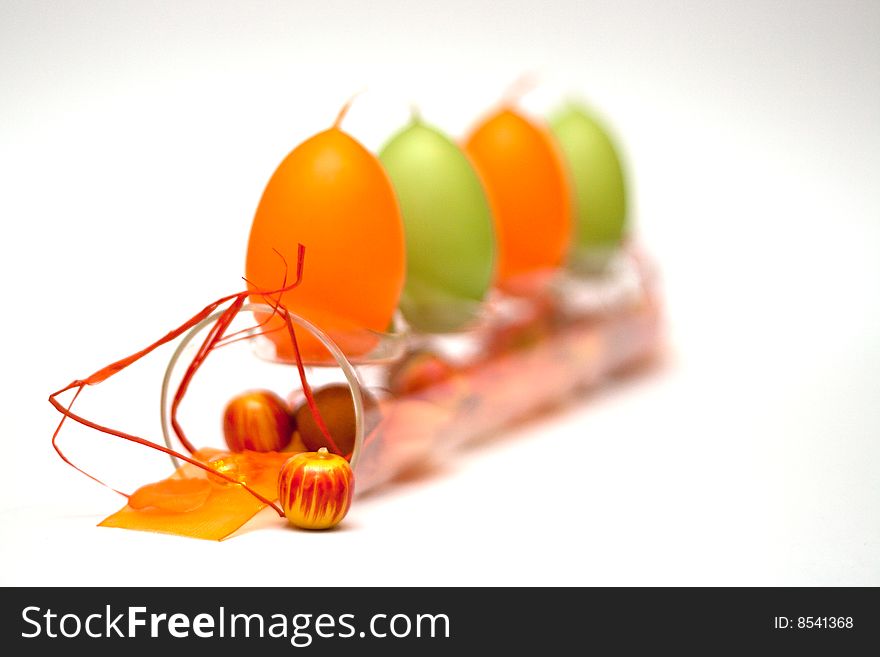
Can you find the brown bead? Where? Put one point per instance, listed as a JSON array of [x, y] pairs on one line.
[[336, 407]]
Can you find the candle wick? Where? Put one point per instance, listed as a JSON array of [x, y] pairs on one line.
[[345, 108], [522, 85]]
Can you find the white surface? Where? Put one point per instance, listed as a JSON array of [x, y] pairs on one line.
[[135, 141]]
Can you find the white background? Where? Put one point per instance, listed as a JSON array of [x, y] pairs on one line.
[[136, 139]]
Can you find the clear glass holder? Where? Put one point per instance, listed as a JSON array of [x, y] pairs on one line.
[[523, 355], [338, 360]]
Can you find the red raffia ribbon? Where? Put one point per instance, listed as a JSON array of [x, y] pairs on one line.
[[216, 338]]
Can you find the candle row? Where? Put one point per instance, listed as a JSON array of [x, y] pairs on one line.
[[429, 225]]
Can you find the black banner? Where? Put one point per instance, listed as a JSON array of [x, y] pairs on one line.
[[437, 621]]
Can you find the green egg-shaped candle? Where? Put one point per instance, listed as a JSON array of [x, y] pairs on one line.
[[450, 243], [598, 185]]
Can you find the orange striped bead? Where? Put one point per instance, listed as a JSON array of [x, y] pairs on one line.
[[259, 421], [315, 489]]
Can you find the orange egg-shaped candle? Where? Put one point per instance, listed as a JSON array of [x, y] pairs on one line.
[[331, 195], [526, 182]]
